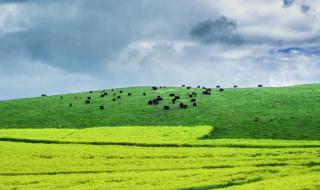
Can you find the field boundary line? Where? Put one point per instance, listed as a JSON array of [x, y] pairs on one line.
[[154, 145]]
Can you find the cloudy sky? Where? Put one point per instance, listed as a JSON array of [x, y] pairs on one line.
[[60, 46]]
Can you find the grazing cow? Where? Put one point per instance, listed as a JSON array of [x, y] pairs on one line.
[[144, 94], [194, 94], [89, 98], [206, 93], [118, 97], [171, 95], [61, 97], [183, 106], [155, 102], [150, 102], [113, 99], [174, 100], [159, 98], [166, 107], [129, 94], [190, 95], [177, 97], [120, 91], [43, 95], [101, 107], [87, 101], [194, 104], [189, 87], [154, 88], [193, 100], [106, 93], [255, 119], [198, 87], [112, 90], [218, 86], [90, 91], [260, 86], [183, 86], [102, 95], [70, 105], [221, 89], [235, 86]]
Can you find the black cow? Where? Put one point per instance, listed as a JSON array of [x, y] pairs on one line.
[[206, 93], [43, 95], [177, 97], [221, 89], [172, 95], [87, 101], [194, 104], [218, 86], [154, 88], [118, 97], [198, 87], [129, 94], [260, 86], [235, 86], [101, 107], [166, 107], [106, 93], [102, 95], [144, 94], [113, 99], [193, 100], [61, 97], [190, 95], [194, 94], [174, 100], [89, 98], [150, 102], [120, 91], [159, 98], [90, 91], [183, 86], [189, 87], [70, 105]]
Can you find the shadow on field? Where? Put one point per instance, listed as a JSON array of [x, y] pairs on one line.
[[223, 185]]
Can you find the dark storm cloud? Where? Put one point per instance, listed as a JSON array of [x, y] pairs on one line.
[[82, 35], [305, 8], [221, 30], [288, 3]]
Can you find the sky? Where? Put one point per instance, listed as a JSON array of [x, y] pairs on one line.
[[62, 46]]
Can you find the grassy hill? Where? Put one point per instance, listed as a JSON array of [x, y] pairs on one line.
[[260, 113], [264, 138]]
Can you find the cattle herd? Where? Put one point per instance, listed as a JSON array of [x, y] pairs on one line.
[[174, 99]]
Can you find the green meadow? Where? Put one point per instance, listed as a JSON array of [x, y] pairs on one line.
[[243, 138]]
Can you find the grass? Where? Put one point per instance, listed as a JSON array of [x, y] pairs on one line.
[[284, 113], [86, 166], [244, 138]]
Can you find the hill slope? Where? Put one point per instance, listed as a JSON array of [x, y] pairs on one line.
[[269, 113]]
